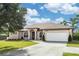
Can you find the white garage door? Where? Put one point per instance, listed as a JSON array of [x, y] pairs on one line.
[[54, 36]]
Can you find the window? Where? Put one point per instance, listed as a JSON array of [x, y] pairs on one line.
[[26, 34]]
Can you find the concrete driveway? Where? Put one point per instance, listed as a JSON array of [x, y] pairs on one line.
[[41, 49]]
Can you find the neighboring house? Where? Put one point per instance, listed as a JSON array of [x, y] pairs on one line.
[[44, 31]]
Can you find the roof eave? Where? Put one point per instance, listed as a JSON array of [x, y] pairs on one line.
[[57, 29]]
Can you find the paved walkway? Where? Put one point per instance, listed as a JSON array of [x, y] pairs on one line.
[[72, 50], [41, 49]]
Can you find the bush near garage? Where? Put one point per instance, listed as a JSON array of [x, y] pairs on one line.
[[76, 36], [69, 39]]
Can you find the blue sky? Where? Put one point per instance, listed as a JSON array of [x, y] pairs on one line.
[[47, 12]]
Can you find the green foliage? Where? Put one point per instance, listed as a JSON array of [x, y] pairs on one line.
[[73, 44], [64, 22], [76, 36], [74, 21], [43, 38], [69, 39], [14, 39], [70, 54], [11, 17]]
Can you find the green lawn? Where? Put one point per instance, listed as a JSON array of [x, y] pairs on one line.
[[70, 54], [11, 45], [73, 44]]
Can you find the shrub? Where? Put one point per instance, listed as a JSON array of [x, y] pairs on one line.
[[43, 38], [14, 39], [2, 37], [69, 39], [76, 36]]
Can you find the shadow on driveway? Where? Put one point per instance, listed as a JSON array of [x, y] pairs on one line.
[[11, 51], [16, 52], [56, 41]]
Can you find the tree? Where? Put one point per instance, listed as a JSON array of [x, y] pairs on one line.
[[11, 17], [73, 22], [64, 22]]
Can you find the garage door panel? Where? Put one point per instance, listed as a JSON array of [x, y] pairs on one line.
[[52, 36]]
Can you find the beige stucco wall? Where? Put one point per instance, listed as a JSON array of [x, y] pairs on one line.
[[38, 35], [21, 34]]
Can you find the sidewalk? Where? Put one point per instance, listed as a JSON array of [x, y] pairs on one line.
[[72, 50]]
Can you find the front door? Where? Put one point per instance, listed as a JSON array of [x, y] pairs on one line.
[[33, 35]]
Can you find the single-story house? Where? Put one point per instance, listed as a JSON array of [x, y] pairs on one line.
[[45, 31]]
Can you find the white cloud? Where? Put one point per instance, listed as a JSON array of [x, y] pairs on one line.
[[42, 7], [31, 20], [69, 9], [53, 7], [32, 12], [38, 20], [65, 8], [58, 20], [43, 20]]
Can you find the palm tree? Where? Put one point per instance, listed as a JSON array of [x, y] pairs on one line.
[[73, 23], [64, 22]]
